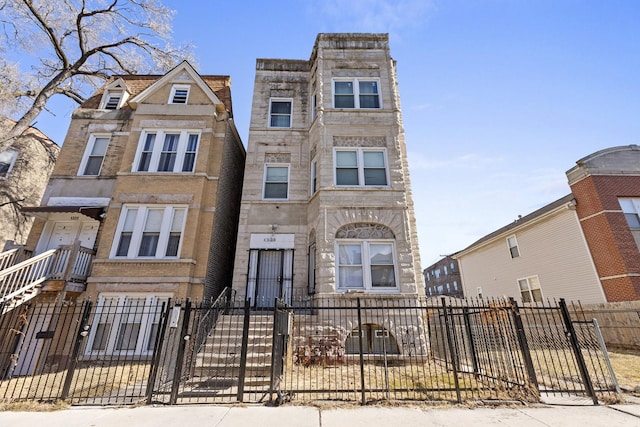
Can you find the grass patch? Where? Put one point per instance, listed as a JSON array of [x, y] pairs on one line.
[[33, 406], [626, 365]]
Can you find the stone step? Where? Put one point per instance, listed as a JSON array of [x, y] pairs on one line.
[[233, 346], [213, 359], [251, 370]]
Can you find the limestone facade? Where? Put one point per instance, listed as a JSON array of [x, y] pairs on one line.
[[326, 204]]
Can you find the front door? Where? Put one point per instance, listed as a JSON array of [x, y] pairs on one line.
[[270, 276], [63, 233]]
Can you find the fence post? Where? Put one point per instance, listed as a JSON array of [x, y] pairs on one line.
[[275, 348], [524, 344], [472, 346], [573, 338], [157, 350], [81, 333], [452, 350], [363, 399], [244, 349], [184, 337], [607, 359]]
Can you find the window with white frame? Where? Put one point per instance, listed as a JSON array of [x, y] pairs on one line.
[[280, 113], [167, 151], [179, 94], [149, 231], [112, 99], [530, 290], [356, 93], [366, 264], [512, 243], [631, 209], [276, 182], [125, 324], [360, 167], [7, 160], [94, 155]]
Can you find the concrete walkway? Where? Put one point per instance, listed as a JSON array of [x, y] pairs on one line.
[[305, 416]]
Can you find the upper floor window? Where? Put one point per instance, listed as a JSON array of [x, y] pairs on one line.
[[276, 182], [360, 167], [530, 290], [314, 105], [356, 93], [280, 113], [436, 273], [94, 155], [7, 160], [631, 209], [112, 99], [166, 151], [179, 94], [513, 246], [149, 231], [314, 177]]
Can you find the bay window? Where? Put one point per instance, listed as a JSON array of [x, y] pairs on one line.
[[149, 231], [366, 265], [356, 93], [360, 167], [166, 151]]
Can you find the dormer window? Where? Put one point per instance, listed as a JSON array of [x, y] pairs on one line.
[[179, 94], [113, 100], [114, 96]]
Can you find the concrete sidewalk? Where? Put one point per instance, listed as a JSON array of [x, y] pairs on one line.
[[306, 416]]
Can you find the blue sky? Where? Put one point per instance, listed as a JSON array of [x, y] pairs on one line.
[[499, 97]]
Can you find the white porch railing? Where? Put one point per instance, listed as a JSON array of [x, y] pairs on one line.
[[20, 282], [13, 256]]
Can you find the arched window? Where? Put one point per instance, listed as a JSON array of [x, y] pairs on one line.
[[365, 257]]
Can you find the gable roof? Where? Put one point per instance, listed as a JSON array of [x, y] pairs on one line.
[[139, 86], [520, 222]]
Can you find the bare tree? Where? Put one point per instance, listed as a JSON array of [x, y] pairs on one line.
[[69, 47]]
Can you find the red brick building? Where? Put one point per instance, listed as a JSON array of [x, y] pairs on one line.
[[606, 187]]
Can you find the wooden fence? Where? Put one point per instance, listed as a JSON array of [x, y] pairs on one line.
[[619, 322]]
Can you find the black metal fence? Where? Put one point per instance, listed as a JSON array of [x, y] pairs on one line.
[[349, 348]]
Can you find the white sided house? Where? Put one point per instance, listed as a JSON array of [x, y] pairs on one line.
[[540, 256]]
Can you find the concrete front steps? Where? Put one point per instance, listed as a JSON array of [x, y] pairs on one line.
[[219, 357]]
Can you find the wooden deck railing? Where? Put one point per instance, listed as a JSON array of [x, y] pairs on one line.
[[70, 263]]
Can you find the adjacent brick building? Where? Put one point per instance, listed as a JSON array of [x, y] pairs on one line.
[[443, 278], [606, 186], [583, 246], [149, 177]]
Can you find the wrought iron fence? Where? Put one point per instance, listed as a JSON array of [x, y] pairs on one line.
[[348, 347]]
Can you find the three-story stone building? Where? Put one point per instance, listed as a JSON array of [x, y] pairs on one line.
[[326, 204]]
